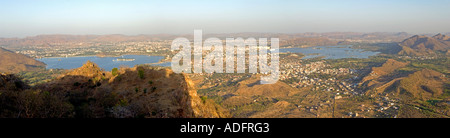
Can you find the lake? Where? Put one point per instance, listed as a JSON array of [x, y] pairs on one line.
[[107, 63], [330, 52]]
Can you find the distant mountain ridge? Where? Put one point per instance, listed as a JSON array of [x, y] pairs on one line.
[[57, 39], [331, 38], [424, 45]]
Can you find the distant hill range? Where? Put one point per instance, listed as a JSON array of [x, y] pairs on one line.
[[298, 39], [424, 45], [11, 62]]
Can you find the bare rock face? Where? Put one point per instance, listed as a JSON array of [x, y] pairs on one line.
[[140, 91], [199, 107]]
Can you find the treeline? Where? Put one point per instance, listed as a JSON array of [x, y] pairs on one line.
[[17, 100]]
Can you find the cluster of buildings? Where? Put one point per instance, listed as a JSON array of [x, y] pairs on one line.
[[418, 57], [302, 74], [384, 104], [159, 47], [293, 70]]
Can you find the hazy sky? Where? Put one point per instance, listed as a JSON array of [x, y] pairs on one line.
[[20, 18]]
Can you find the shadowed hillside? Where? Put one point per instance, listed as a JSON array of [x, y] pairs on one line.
[[422, 85]]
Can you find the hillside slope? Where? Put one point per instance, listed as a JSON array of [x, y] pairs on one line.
[[424, 45], [283, 109], [421, 85], [135, 92], [11, 62], [379, 72]]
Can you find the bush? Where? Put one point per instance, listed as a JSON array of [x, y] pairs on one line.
[[203, 99], [153, 89], [114, 71], [141, 73], [136, 89], [145, 90], [150, 82], [122, 102]]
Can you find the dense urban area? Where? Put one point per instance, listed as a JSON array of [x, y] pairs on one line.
[[405, 79]]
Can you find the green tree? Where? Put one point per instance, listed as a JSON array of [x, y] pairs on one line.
[[114, 71], [141, 73], [203, 99]]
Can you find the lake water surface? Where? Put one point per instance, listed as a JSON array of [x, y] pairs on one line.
[[331, 52], [107, 63]]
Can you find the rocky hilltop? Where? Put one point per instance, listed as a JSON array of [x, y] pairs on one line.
[[142, 91]]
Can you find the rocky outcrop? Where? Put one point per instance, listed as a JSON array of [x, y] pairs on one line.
[[90, 92], [140, 91]]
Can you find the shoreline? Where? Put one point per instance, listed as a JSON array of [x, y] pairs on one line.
[[99, 56], [161, 59]]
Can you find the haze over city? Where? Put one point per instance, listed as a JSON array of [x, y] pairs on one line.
[[21, 18], [84, 60]]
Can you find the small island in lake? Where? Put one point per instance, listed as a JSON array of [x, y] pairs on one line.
[[124, 59]]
